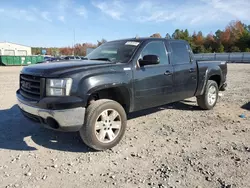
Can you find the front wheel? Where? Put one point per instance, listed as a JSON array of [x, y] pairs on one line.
[[105, 124], [209, 99]]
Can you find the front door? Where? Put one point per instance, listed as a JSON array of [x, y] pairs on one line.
[[153, 84]]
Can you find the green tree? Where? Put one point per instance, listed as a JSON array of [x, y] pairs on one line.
[[180, 34], [218, 34], [220, 48], [234, 49], [199, 49], [176, 34], [244, 41], [209, 50]]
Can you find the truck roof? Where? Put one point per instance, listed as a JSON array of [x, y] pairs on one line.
[[141, 39]]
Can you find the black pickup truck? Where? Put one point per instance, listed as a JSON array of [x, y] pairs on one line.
[[94, 96]]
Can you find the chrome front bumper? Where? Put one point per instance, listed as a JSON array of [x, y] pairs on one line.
[[66, 120]]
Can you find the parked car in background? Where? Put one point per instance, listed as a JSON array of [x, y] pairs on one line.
[[47, 58], [60, 59], [75, 58], [50, 59]]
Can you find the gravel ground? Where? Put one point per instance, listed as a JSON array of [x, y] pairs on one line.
[[177, 145]]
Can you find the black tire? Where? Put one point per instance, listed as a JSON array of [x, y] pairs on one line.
[[88, 132], [202, 100]]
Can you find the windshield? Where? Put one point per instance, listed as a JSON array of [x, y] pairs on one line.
[[118, 51]]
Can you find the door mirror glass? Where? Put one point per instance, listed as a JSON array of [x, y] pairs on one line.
[[149, 60]]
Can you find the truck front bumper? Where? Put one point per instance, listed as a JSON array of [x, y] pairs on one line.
[[68, 120]]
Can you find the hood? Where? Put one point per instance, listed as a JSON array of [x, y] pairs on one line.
[[53, 69]]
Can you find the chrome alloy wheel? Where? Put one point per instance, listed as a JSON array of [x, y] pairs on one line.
[[108, 125], [212, 95]]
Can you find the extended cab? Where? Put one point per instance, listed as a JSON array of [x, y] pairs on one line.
[[94, 96]]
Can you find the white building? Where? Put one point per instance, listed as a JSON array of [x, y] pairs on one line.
[[7, 48]]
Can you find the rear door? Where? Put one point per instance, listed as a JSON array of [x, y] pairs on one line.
[[185, 70], [153, 84]]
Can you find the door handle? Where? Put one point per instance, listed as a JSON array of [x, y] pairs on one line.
[[168, 73], [191, 70]]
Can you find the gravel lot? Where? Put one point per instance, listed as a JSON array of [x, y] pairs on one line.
[[177, 145]]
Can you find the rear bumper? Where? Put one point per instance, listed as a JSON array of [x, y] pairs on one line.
[[67, 120]]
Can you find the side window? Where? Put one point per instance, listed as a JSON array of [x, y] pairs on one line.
[[156, 48], [180, 53]]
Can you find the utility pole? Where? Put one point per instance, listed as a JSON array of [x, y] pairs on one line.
[[74, 43]]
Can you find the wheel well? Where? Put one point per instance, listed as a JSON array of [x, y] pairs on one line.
[[216, 78], [118, 94]]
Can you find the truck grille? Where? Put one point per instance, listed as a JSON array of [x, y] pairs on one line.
[[30, 87]]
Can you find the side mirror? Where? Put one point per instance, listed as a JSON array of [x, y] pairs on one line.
[[149, 60]]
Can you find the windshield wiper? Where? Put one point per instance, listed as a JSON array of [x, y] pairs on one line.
[[102, 59]]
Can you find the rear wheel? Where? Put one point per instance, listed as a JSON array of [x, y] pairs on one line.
[[105, 124], [210, 96]]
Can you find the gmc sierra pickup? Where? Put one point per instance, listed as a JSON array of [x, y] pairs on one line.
[[94, 96]]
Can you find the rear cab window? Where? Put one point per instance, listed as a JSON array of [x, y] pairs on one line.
[[180, 52]]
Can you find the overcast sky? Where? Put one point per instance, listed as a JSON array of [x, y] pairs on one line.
[[52, 22]]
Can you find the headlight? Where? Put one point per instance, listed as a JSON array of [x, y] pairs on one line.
[[58, 87]]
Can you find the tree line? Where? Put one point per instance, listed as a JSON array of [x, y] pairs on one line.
[[78, 49], [234, 38]]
